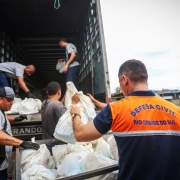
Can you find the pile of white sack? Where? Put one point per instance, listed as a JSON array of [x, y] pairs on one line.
[[63, 130], [26, 106], [69, 159]]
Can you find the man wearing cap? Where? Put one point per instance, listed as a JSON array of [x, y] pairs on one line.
[[13, 70], [6, 140]]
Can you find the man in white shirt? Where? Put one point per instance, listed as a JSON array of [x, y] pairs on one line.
[[13, 70]]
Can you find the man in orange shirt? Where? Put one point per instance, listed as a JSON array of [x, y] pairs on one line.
[[146, 128]]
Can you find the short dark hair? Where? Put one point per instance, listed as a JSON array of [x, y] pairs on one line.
[[53, 88], [135, 70], [62, 39], [31, 66]]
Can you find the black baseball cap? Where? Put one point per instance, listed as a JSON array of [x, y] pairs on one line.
[[7, 92]]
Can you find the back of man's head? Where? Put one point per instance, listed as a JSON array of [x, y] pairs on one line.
[[53, 88], [135, 70], [62, 39]]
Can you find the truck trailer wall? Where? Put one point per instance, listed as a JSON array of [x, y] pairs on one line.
[[30, 34]]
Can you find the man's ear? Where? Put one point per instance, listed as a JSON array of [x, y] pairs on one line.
[[47, 92], [58, 92], [125, 80]]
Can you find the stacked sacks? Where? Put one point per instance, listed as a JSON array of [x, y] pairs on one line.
[[68, 160], [30, 106], [37, 164], [26, 106], [72, 159]]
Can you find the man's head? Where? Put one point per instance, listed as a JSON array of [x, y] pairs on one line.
[[53, 90], [63, 42], [6, 98], [29, 70], [132, 76]]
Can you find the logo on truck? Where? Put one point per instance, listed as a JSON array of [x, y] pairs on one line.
[[27, 130]]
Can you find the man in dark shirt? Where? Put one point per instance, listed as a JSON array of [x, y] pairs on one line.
[[52, 109]]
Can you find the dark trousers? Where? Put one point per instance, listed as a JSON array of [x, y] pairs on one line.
[[72, 74], [3, 80], [3, 174]]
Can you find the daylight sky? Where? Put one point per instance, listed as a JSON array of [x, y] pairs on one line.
[[147, 30]]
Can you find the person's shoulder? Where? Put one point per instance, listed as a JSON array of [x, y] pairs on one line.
[[71, 45], [18, 64], [56, 103]]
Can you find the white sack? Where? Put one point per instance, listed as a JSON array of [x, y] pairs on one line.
[[28, 106], [72, 164], [59, 153], [102, 147], [94, 161], [85, 102], [113, 147], [79, 146], [60, 66], [32, 157], [38, 172], [39, 104], [64, 130], [51, 163]]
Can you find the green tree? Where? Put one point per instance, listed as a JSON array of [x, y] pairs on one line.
[[117, 90]]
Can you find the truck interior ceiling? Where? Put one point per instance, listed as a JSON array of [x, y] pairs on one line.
[[30, 32]]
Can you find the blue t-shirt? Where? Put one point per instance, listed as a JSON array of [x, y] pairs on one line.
[[147, 132]]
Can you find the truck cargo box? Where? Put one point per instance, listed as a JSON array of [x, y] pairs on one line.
[[30, 32]]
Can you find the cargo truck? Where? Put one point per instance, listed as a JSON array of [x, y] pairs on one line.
[[29, 34]]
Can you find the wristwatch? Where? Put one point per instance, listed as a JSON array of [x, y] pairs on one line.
[[75, 114]]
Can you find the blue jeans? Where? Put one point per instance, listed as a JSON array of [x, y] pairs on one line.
[[3, 80], [72, 74], [3, 174]]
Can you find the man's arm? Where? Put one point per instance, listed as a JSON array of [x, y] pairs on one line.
[[72, 57], [10, 118], [83, 132], [96, 102], [16, 119], [6, 139], [22, 84], [17, 87], [25, 88]]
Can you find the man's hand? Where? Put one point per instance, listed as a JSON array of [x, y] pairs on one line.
[[91, 97], [75, 109], [75, 99], [30, 95], [29, 145], [65, 68], [59, 60], [20, 118]]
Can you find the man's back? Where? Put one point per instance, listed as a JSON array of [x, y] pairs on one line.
[[147, 132], [12, 69], [51, 111]]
